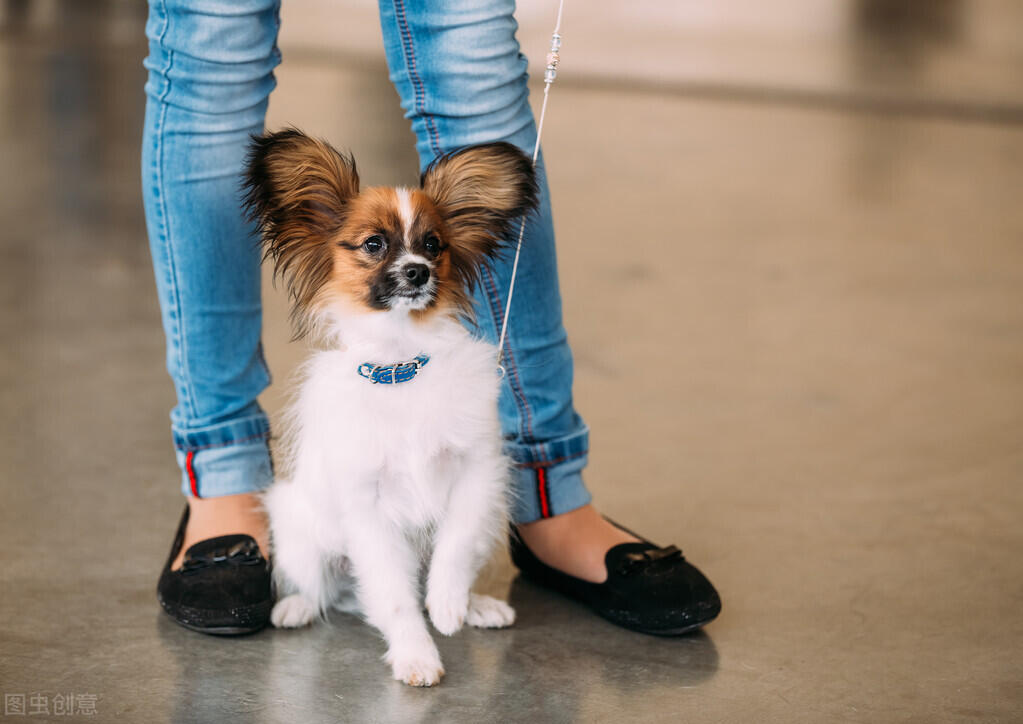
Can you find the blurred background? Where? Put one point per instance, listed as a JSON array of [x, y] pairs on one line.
[[805, 216]]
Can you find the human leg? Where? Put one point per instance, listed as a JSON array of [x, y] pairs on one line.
[[462, 80], [210, 73]]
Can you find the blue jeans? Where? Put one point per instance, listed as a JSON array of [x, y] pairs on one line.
[[462, 80]]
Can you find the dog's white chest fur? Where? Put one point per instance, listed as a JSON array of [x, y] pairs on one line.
[[396, 448]]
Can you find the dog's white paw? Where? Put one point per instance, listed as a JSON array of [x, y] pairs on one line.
[[447, 610], [417, 667], [293, 611], [488, 612]]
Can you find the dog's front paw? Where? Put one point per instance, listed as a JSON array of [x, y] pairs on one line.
[[447, 610], [416, 667], [489, 612], [293, 611]]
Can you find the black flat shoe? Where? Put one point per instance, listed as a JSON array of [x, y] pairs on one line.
[[648, 589], [222, 587]]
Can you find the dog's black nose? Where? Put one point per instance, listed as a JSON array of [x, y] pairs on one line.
[[417, 274]]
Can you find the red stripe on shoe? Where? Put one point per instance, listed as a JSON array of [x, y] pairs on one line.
[[541, 489], [190, 469]]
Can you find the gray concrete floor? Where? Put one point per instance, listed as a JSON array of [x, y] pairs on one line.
[[829, 273]]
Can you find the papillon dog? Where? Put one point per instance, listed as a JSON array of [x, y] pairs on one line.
[[393, 464]]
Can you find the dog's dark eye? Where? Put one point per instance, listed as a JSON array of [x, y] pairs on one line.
[[373, 244], [431, 244]]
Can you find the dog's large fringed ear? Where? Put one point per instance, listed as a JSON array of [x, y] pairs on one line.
[[481, 192], [297, 189]]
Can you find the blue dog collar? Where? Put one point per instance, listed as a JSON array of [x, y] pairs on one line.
[[393, 374]]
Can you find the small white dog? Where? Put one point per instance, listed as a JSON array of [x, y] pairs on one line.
[[393, 449]]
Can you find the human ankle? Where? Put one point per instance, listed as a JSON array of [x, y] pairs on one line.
[[575, 542], [224, 515]]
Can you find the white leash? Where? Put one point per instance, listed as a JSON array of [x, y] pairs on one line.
[[550, 73]]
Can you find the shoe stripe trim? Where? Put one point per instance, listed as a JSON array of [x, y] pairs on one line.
[[541, 489], [190, 469]]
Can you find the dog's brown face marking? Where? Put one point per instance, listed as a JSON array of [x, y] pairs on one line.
[[417, 250], [389, 235]]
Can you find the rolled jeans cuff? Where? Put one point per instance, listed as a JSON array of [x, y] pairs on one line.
[[225, 459], [547, 477]]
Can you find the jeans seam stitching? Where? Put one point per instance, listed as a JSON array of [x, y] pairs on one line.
[[521, 402], [545, 463], [247, 438], [418, 87], [182, 360]]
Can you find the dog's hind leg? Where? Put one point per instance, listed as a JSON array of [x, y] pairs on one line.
[[293, 611], [299, 565], [488, 612]]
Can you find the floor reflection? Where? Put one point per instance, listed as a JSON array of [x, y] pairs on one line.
[[558, 663]]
